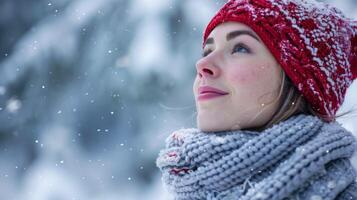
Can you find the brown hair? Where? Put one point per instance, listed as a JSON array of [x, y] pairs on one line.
[[292, 102]]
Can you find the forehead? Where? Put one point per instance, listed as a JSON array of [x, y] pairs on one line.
[[228, 27]]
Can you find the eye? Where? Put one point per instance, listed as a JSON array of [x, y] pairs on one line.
[[240, 48], [205, 53]]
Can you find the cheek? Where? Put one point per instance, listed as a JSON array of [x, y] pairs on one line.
[[253, 80], [246, 75]]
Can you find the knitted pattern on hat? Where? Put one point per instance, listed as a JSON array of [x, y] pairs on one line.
[[314, 43], [300, 157]]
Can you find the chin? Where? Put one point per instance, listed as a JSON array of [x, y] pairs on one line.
[[208, 126], [207, 129], [216, 125]]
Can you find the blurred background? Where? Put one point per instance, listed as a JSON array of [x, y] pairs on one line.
[[89, 90]]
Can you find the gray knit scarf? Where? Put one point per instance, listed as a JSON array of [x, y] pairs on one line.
[[300, 158]]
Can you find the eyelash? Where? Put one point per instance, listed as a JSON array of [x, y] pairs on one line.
[[242, 46], [205, 53]]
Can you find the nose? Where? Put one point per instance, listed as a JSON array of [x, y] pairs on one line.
[[207, 68]]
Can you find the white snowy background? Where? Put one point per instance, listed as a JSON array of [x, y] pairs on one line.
[[89, 90]]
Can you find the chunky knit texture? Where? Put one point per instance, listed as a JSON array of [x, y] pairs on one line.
[[315, 44], [300, 158]]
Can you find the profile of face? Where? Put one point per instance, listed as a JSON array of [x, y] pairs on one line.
[[238, 80]]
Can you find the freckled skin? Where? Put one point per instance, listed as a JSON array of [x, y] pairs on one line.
[[243, 76], [251, 79]]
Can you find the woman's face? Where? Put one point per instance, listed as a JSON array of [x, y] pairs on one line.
[[236, 62]]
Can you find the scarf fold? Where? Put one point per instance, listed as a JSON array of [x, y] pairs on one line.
[[288, 160]]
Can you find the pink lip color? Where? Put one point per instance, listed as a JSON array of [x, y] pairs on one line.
[[208, 95], [207, 92]]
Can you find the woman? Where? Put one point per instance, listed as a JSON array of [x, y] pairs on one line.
[[272, 76]]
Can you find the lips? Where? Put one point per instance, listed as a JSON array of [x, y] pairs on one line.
[[207, 92]]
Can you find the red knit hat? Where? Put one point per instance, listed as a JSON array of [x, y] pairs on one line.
[[312, 41]]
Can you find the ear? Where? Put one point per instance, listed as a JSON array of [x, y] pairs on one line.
[[353, 55]]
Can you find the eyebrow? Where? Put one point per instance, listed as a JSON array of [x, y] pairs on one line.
[[235, 34]]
